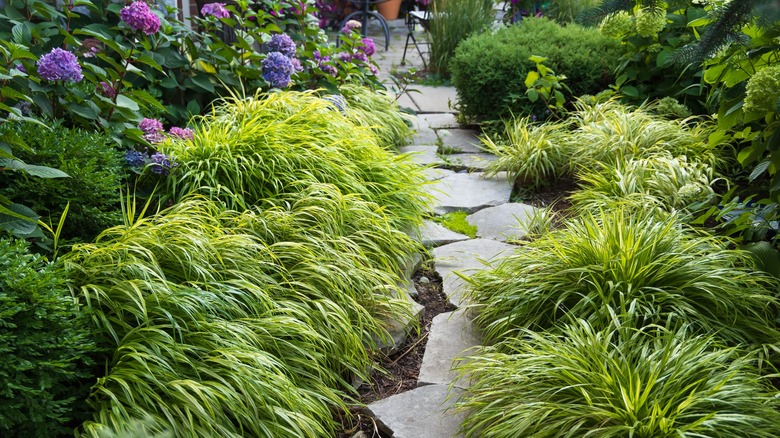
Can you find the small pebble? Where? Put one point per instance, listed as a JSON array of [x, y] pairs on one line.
[[423, 280]]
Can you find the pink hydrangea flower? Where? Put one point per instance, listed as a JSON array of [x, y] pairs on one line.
[[140, 18], [183, 133]]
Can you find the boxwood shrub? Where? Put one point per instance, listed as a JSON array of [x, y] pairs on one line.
[[489, 70]]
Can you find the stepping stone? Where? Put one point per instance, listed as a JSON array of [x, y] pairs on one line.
[[425, 136], [399, 328], [433, 174], [463, 140], [476, 162], [422, 155], [466, 258], [419, 413], [432, 234], [450, 336], [406, 102], [469, 192], [434, 99], [504, 222], [443, 120]]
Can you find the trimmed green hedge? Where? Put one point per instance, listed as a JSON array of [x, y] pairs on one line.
[[489, 70]]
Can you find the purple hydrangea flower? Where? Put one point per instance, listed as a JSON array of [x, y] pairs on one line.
[[277, 69], [150, 126], [296, 63], [107, 90], [140, 18], [161, 163], [351, 25], [183, 133], [360, 57], [345, 57], [215, 10], [329, 69], [318, 56], [60, 65], [283, 44], [373, 69], [21, 68], [134, 158], [369, 48]]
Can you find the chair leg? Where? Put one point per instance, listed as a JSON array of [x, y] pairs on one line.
[[406, 46]]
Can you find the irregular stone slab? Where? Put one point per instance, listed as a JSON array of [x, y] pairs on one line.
[[434, 174], [469, 192], [444, 120], [434, 99], [504, 222], [419, 413], [425, 136], [406, 102], [476, 162], [451, 335], [462, 140], [422, 155], [467, 258], [432, 234]]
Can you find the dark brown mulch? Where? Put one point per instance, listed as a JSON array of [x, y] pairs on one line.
[[402, 368]]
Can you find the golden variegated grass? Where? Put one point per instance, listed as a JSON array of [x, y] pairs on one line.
[[250, 150], [378, 111], [639, 264], [616, 382], [605, 134], [230, 323], [657, 183]]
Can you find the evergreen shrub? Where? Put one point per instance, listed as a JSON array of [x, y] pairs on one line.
[[45, 346], [489, 70]]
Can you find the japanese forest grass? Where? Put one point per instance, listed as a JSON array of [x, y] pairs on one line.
[[641, 265], [255, 149], [238, 323], [616, 382], [378, 111]]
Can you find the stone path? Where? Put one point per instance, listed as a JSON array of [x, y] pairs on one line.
[[457, 184]]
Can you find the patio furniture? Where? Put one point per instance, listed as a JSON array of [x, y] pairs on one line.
[[413, 19], [365, 13]]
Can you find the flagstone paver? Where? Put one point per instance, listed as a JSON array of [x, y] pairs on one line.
[[462, 140], [423, 155], [433, 234], [465, 257], [472, 162], [419, 413], [445, 120], [451, 335], [469, 192], [503, 222]]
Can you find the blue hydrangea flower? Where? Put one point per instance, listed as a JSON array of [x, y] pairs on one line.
[[277, 69], [161, 163], [134, 158], [283, 44]]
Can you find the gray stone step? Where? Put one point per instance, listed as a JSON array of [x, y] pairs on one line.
[[423, 155], [399, 328], [443, 120], [434, 99], [462, 140], [432, 234], [503, 222], [473, 162], [419, 413], [451, 335], [469, 192], [467, 258], [434, 174]]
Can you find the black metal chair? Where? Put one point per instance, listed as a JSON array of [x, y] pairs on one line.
[[413, 19], [365, 13]]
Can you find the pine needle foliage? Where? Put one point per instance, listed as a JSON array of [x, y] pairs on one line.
[[379, 111], [250, 150], [238, 324], [616, 382], [649, 267]]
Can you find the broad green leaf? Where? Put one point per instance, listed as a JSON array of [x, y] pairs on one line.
[[759, 169], [18, 219], [123, 101], [531, 78]]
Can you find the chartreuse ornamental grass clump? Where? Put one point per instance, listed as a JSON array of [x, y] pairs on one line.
[[617, 382], [254, 149], [230, 323], [379, 111], [605, 134], [632, 263], [657, 183]]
